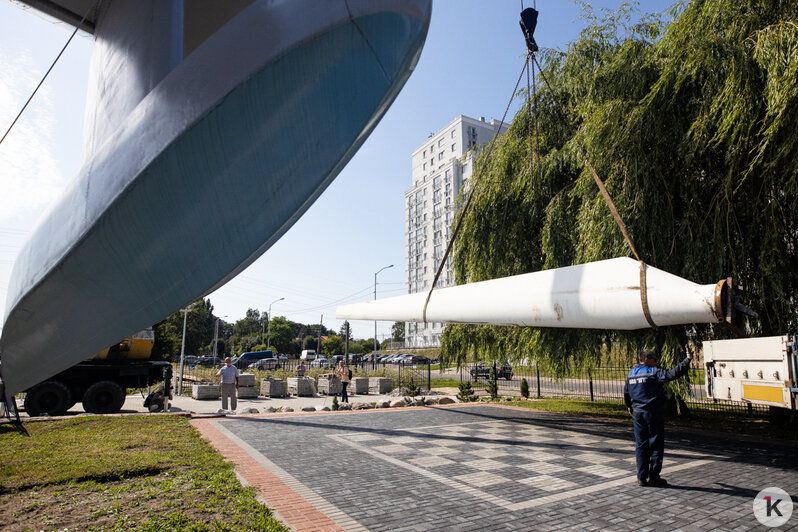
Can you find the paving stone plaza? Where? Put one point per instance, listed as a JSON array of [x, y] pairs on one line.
[[486, 467]]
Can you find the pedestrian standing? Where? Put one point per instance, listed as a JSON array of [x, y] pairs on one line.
[[644, 395], [229, 375], [343, 372]]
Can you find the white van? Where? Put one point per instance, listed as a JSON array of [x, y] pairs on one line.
[[308, 354]]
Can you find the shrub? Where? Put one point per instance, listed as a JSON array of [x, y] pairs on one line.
[[524, 389]]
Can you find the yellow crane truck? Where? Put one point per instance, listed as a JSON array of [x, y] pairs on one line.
[[100, 382]]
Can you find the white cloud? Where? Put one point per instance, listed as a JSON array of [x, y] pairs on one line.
[[30, 178]]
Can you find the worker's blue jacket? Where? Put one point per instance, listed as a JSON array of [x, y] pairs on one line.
[[644, 388]]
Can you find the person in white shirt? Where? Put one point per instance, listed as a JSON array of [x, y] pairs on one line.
[[229, 375]]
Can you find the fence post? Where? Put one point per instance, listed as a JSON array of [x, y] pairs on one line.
[[429, 375], [537, 373], [590, 380]]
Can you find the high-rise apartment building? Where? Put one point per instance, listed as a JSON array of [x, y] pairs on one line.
[[442, 166]]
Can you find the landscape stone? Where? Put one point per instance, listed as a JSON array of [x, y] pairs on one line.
[[446, 401], [398, 403]]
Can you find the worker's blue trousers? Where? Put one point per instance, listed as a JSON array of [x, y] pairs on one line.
[[649, 442]]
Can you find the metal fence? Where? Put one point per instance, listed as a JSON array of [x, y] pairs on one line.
[[596, 384]]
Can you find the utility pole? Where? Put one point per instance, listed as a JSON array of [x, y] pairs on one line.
[[269, 317], [318, 338], [375, 298], [185, 312], [346, 342]]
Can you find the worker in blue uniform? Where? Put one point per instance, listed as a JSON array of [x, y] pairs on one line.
[[644, 395]]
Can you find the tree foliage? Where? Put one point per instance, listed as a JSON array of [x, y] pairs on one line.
[[691, 125]]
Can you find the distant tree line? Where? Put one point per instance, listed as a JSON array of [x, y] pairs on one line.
[[247, 334]]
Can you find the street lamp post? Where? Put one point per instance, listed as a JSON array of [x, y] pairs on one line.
[[269, 317], [375, 298], [185, 312], [216, 337]]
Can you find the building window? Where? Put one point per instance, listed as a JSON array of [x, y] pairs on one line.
[[453, 147], [453, 133], [425, 154], [431, 149], [436, 183], [440, 156], [440, 143]]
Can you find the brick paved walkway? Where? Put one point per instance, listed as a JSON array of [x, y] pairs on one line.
[[486, 467]]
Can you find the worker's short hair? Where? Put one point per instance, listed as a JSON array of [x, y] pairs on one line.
[[644, 354]]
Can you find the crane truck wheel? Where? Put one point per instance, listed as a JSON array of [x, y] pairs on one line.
[[103, 397], [50, 398]]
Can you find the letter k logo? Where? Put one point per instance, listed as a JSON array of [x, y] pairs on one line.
[[772, 506]]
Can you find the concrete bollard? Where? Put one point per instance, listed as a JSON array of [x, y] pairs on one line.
[[330, 384], [380, 385], [273, 388], [301, 386], [359, 385], [205, 391], [246, 379]]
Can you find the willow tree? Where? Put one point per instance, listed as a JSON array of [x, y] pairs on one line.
[[692, 126]]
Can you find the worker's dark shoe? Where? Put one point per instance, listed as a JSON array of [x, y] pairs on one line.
[[658, 482], [642, 482]]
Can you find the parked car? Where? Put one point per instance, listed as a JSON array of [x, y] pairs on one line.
[[355, 358], [320, 362], [282, 357], [417, 359], [251, 357], [481, 371], [266, 364], [210, 362]]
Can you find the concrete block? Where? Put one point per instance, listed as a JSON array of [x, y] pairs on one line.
[[301, 386], [273, 387], [247, 392], [380, 385], [330, 385], [359, 385], [204, 391], [246, 379]]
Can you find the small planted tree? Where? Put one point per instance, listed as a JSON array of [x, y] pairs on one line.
[[492, 387], [335, 402], [524, 389], [466, 394]]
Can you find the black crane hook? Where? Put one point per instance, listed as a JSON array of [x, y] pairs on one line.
[[529, 19]]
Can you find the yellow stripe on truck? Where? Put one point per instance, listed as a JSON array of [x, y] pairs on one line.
[[770, 394]]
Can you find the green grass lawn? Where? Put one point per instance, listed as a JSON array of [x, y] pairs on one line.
[[142, 473]]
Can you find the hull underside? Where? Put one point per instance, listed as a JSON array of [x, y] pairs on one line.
[[196, 184]]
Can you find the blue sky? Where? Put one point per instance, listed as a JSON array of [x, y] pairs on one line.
[[471, 60]]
